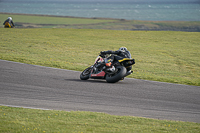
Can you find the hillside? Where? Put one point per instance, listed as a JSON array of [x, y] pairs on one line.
[[68, 22]]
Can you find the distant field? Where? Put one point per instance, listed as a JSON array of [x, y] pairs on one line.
[[166, 56], [44, 21], [37, 21]]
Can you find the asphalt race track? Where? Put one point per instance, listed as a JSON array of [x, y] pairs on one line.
[[33, 86]]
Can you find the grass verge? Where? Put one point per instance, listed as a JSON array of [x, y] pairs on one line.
[[33, 120], [47, 21], [160, 56]]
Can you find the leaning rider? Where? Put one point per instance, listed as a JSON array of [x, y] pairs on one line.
[[119, 54], [8, 23]]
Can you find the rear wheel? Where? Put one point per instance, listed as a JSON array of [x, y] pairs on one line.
[[120, 73], [85, 74]]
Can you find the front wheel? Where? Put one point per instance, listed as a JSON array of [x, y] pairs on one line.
[[86, 73], [121, 71]]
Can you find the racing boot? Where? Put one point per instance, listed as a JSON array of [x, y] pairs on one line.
[[128, 73]]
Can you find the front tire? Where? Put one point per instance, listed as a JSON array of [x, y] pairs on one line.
[[85, 74], [121, 71]]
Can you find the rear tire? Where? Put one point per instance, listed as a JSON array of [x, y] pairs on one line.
[[117, 76], [85, 74]]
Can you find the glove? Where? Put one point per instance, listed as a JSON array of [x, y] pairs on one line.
[[103, 52]]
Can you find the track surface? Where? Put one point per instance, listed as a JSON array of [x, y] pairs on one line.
[[49, 88]]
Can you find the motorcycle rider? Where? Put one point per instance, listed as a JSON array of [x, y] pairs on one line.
[[119, 54], [8, 23]]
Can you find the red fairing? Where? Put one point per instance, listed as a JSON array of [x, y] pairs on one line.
[[101, 74]]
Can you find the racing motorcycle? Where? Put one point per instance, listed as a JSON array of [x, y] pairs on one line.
[[110, 70]]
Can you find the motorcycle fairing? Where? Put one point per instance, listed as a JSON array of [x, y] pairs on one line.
[[127, 62], [100, 75], [125, 59], [99, 59]]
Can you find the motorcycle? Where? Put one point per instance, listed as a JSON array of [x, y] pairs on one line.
[[110, 70]]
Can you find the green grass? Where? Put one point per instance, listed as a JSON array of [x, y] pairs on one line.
[[166, 56], [50, 20], [44, 21], [31, 120], [161, 56]]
